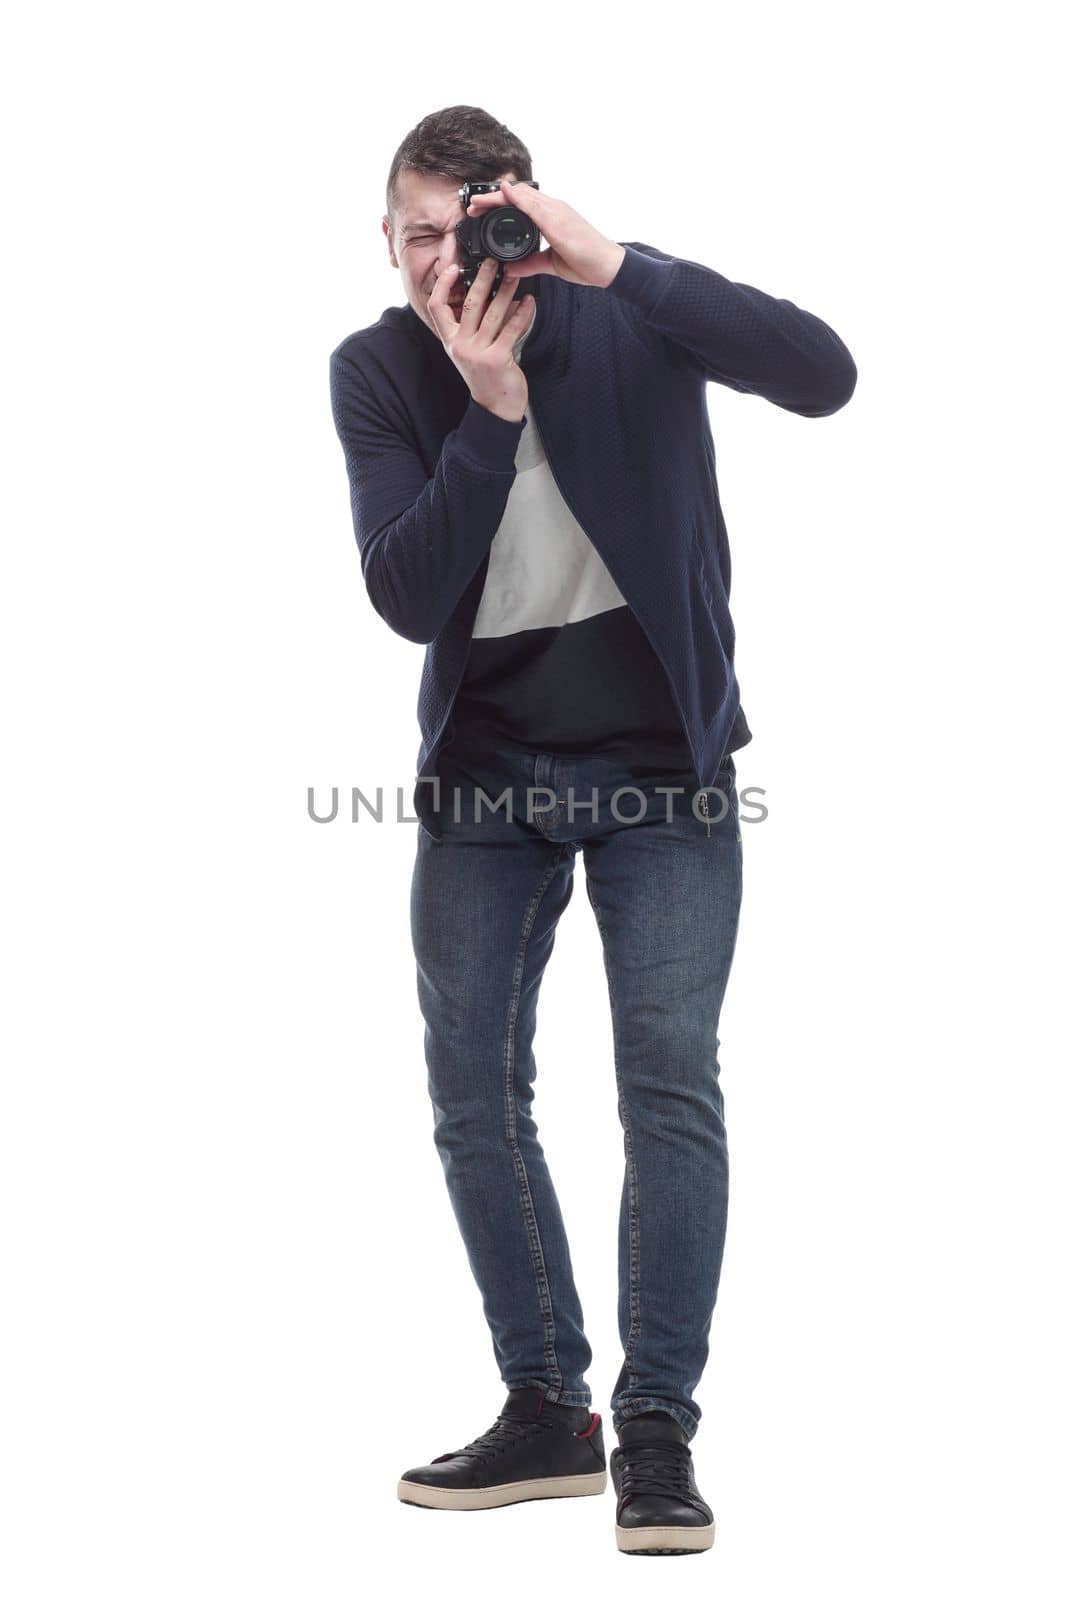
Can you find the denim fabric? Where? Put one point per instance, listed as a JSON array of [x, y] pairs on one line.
[[486, 896]]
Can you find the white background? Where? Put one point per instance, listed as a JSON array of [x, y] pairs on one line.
[[237, 1304]]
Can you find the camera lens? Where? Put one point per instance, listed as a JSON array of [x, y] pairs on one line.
[[508, 234]]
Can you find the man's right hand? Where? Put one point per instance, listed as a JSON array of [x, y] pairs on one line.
[[481, 340]]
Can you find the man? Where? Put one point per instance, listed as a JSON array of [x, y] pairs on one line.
[[533, 492]]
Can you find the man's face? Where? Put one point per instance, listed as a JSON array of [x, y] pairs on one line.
[[422, 239]]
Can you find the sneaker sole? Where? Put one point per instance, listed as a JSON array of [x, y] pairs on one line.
[[502, 1494], [666, 1541]]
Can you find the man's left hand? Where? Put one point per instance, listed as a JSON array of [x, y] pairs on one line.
[[576, 250]]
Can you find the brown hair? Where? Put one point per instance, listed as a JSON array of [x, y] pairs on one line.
[[459, 142]]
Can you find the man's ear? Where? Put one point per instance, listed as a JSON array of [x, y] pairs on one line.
[[389, 235]]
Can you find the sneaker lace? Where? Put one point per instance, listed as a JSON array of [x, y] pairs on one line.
[[655, 1468], [505, 1432]]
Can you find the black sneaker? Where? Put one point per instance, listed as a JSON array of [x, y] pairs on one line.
[[535, 1450], [660, 1510]]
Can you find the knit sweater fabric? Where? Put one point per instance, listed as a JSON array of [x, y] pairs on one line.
[[617, 378]]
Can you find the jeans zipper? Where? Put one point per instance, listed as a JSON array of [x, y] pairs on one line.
[[704, 809]]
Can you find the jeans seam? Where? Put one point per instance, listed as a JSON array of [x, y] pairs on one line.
[[633, 1224], [533, 1233]]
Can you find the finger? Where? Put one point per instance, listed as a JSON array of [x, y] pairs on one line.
[[497, 309], [517, 321], [477, 295], [540, 261], [493, 198], [525, 196], [520, 191], [441, 313]]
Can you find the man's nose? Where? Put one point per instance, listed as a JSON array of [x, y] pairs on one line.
[[448, 255]]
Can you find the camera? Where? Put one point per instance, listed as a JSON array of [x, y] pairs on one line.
[[504, 232]]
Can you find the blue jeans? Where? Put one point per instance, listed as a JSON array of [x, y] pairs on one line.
[[486, 896]]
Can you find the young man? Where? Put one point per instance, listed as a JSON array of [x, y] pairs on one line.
[[533, 491]]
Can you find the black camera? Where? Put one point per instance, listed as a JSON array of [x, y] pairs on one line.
[[503, 232]]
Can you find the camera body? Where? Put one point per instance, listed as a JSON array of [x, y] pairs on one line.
[[504, 233]]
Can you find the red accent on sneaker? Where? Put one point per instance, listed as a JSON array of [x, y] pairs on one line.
[[540, 1404], [591, 1428]]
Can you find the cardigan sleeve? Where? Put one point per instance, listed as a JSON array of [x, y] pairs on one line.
[[737, 335], [421, 538]]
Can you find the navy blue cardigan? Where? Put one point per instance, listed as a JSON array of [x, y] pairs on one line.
[[617, 382]]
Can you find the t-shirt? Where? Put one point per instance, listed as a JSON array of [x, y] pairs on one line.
[[558, 661]]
